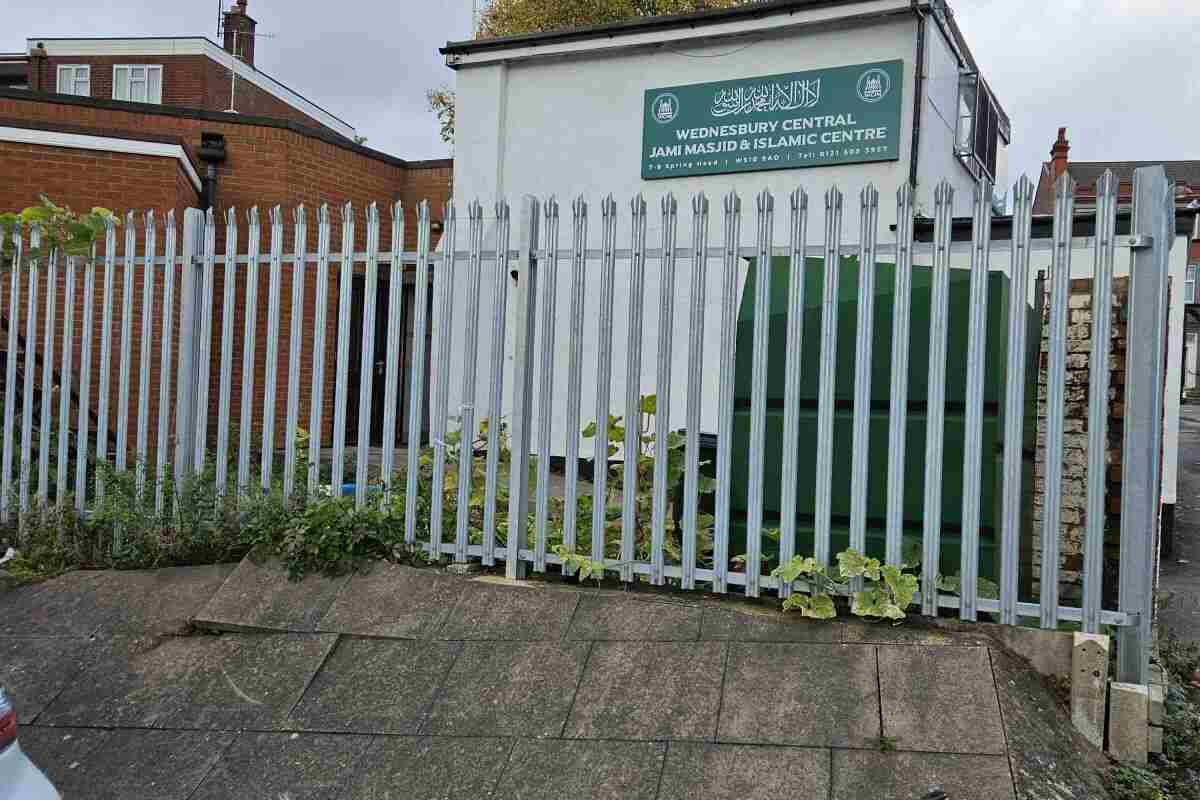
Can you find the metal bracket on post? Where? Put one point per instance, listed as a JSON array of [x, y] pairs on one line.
[[189, 341], [524, 317], [1141, 488]]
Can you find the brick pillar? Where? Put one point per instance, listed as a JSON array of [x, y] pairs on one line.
[[1073, 517]]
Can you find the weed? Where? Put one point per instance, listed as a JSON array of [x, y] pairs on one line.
[[887, 589], [1134, 783]]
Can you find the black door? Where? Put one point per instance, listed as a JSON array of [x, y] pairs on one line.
[[378, 364]]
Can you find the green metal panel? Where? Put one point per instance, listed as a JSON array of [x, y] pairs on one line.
[[953, 452]]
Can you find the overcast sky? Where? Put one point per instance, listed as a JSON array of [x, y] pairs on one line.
[[1122, 75]]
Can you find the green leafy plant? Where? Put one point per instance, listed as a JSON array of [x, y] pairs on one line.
[[329, 536], [984, 587], [46, 541], [1134, 783], [887, 590], [648, 442], [886, 744], [125, 530], [574, 563], [59, 228]]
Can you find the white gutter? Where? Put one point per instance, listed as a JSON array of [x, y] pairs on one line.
[[106, 144]]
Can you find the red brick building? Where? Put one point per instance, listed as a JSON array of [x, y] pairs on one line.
[[188, 71], [140, 124], [1185, 174]]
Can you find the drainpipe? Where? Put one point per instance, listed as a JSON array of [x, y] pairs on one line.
[[211, 152], [918, 95]]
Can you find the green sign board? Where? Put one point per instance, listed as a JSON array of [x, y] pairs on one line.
[[841, 115]]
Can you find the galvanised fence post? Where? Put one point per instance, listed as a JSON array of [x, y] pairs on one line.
[[1141, 486]]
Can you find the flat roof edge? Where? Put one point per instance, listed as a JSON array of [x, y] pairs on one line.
[[644, 25], [312, 132]]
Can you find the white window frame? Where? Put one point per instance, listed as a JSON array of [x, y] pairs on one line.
[[145, 79], [76, 70], [1189, 284]]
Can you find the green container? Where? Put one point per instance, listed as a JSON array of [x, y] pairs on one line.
[[996, 353]]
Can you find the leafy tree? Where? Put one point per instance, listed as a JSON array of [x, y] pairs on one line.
[[512, 17]]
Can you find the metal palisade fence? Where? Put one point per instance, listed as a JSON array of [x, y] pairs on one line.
[[470, 477]]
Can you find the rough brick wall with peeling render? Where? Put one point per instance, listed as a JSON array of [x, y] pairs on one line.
[[1073, 516]]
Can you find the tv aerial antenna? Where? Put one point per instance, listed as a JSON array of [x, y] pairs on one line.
[[478, 7], [236, 35]]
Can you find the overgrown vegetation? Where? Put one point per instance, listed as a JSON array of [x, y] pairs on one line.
[[133, 527], [1175, 773], [126, 529], [194, 523]]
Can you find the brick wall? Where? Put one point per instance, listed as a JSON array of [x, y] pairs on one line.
[[87, 178], [191, 81], [267, 164], [1073, 517]]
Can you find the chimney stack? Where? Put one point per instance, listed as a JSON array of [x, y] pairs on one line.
[[37, 69], [239, 32], [1058, 153]]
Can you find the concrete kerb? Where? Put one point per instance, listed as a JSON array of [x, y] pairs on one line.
[[1128, 712], [1089, 685]]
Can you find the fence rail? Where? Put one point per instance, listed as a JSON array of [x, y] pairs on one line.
[[193, 324]]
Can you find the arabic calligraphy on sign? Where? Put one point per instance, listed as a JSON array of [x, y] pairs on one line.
[[752, 98]]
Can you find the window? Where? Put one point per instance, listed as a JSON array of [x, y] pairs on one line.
[[75, 79], [1189, 285], [980, 125], [137, 83]]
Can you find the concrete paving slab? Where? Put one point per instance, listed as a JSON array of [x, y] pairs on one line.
[[859, 774], [940, 699], [508, 689], [816, 695], [260, 596], [250, 681], [915, 630], [409, 768], [555, 769], [81, 603], [649, 690], [64, 606], [1049, 757], [124, 764], [514, 612], [158, 601], [616, 619], [64, 755], [736, 772], [392, 601], [153, 765], [755, 624], [375, 686], [277, 765], [133, 681], [34, 670]]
